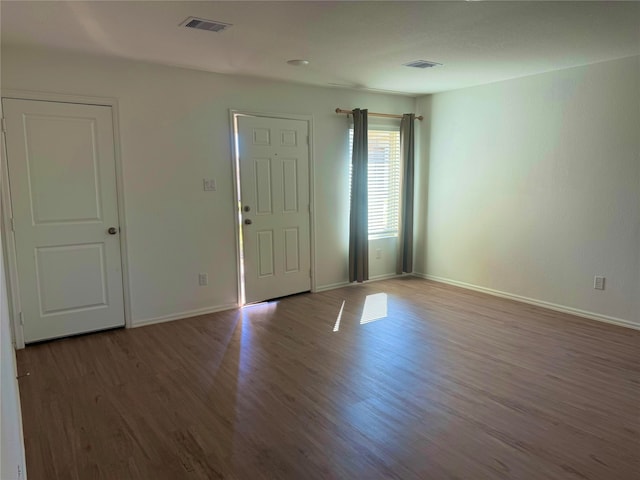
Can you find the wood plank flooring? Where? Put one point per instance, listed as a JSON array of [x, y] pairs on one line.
[[449, 384]]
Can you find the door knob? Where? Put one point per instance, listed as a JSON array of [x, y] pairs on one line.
[[247, 221], [112, 230]]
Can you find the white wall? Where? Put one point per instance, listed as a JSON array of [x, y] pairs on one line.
[[174, 128], [534, 187], [12, 460]]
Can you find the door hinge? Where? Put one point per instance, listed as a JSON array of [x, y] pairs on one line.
[[13, 224], [4, 125], [309, 273], [307, 139], [20, 319]]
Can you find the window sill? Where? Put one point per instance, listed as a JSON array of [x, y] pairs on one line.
[[382, 235]]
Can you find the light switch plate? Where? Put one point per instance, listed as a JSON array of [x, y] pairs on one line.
[[209, 184]]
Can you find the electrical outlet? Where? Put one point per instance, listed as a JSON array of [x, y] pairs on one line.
[[598, 283], [203, 279], [209, 185]]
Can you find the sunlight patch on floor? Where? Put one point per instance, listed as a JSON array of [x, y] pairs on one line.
[[375, 308], [336, 327]]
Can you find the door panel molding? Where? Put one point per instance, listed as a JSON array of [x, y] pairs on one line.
[[285, 140], [7, 212], [56, 302]]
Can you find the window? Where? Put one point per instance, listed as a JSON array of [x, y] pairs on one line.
[[383, 181]]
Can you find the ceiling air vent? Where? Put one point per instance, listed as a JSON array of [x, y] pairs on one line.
[[202, 24], [422, 64]]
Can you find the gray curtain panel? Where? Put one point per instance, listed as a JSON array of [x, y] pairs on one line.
[[405, 235], [359, 217]]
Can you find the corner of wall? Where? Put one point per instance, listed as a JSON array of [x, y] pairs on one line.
[[11, 436], [421, 200]]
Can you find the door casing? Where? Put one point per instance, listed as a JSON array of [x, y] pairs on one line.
[[233, 115], [7, 215]]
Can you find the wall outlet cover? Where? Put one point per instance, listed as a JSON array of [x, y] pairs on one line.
[[598, 283], [209, 184]]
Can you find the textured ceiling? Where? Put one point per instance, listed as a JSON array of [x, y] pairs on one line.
[[355, 44]]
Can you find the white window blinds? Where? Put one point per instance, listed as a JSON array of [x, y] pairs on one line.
[[383, 181]]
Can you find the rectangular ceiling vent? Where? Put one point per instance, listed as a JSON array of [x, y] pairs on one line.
[[202, 24], [422, 64]]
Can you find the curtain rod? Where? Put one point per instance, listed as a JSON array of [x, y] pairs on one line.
[[373, 114]]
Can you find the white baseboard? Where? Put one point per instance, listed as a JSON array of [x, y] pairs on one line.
[[333, 286], [532, 301], [384, 276], [181, 315], [204, 311]]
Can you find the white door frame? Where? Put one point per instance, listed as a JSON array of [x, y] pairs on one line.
[[7, 215], [233, 115]]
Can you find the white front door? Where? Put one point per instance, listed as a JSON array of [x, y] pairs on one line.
[[63, 192], [274, 193]]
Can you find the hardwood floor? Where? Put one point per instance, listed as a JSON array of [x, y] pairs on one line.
[[450, 384]]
